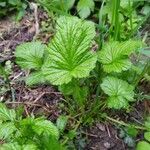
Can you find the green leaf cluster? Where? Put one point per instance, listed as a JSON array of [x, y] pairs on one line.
[[67, 56], [26, 133], [58, 6], [8, 6], [83, 7], [67, 59], [69, 51], [115, 59], [119, 91], [30, 56], [114, 56]]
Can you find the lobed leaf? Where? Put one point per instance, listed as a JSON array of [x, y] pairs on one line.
[[84, 8], [69, 55], [45, 126], [35, 78], [119, 91], [115, 56], [6, 114], [30, 55], [143, 145]]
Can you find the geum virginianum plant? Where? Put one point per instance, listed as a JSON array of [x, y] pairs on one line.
[[69, 63], [65, 60]]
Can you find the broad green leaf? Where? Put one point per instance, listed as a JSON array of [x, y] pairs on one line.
[[84, 8], [115, 56], [11, 146], [35, 78], [6, 130], [30, 55], [45, 126], [117, 102], [147, 136], [16, 146], [119, 91], [38, 126], [6, 114], [143, 145], [69, 51], [61, 123]]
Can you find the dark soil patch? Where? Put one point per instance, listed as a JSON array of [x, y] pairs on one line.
[[104, 137]]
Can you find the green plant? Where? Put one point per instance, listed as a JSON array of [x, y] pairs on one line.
[[119, 91], [145, 144], [31, 56], [7, 6], [68, 57], [123, 17], [58, 6], [69, 63], [18, 133], [83, 7]]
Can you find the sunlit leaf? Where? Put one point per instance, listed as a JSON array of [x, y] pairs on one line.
[[119, 91], [115, 56], [85, 7], [143, 145], [30, 55], [69, 51]]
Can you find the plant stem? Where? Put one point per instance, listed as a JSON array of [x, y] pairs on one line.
[[115, 24], [130, 11], [146, 68], [125, 124]]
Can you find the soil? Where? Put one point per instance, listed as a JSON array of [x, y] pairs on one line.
[[44, 99], [104, 137]]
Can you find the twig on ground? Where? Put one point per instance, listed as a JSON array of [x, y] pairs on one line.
[[24, 103], [108, 131], [35, 8]]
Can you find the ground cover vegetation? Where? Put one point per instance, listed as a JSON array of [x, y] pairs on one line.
[[96, 60]]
